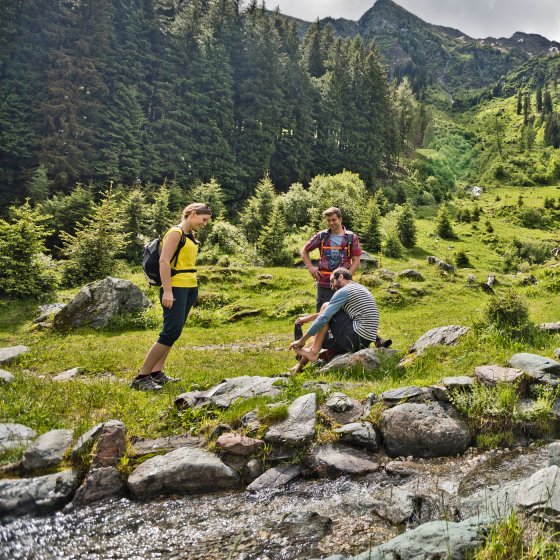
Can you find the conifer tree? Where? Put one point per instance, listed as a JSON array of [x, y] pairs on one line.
[[370, 232], [160, 214], [539, 99], [392, 247], [135, 214], [443, 224], [547, 103], [92, 253], [24, 270], [271, 245], [405, 226], [38, 186], [519, 102], [258, 210]]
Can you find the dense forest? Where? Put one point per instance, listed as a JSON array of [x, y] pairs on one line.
[[140, 91]]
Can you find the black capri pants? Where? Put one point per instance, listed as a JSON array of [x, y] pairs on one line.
[[174, 318]]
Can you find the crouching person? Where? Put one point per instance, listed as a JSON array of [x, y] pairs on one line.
[[351, 317]]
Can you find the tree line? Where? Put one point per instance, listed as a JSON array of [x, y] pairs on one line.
[[141, 92]]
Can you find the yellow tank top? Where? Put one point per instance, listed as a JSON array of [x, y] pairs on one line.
[[186, 260]]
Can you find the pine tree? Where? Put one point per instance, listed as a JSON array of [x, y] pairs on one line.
[[313, 54], [539, 99], [212, 194], [92, 253], [381, 202], [547, 103], [519, 102], [160, 214], [258, 210], [370, 232], [405, 226], [24, 270], [135, 213], [271, 244], [392, 247], [39, 185], [443, 224]]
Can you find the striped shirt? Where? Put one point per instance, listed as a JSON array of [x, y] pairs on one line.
[[358, 303]]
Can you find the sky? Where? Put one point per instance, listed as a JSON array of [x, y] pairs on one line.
[[476, 18]]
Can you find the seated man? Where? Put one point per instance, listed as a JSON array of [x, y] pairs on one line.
[[351, 316]]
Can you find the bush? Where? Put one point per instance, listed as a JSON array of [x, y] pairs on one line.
[[392, 247], [462, 260], [296, 203], [443, 224], [25, 272], [508, 313], [406, 228], [258, 210], [225, 238]]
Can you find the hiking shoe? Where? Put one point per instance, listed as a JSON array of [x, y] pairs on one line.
[[386, 343], [144, 383], [161, 379]]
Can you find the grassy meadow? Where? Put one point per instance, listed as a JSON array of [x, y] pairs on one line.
[[244, 323]]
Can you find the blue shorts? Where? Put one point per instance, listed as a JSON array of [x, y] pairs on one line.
[[174, 318]]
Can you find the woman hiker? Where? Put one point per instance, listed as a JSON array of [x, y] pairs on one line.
[[177, 294]]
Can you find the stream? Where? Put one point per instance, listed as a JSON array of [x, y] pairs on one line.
[[308, 519]]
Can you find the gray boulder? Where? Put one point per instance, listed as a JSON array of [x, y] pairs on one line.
[[97, 303], [229, 390], [238, 444], [337, 459], [275, 477], [99, 484], [47, 450], [551, 328], [143, 446], [395, 396], [13, 436], [85, 443], [538, 368], [299, 426], [6, 377], [358, 434], [365, 360], [41, 494], [10, 353], [411, 274], [393, 504], [442, 265], [187, 470], [554, 454], [424, 430], [111, 444], [67, 374], [435, 540], [495, 502], [539, 495], [458, 382], [447, 336], [491, 375]]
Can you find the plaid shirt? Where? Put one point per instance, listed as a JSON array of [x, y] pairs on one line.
[[333, 257]]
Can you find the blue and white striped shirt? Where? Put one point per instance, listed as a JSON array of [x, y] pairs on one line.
[[357, 301]]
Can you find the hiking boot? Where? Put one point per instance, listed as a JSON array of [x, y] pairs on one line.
[[144, 383], [380, 343], [161, 379]]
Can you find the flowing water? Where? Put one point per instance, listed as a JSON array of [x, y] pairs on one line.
[[308, 519]]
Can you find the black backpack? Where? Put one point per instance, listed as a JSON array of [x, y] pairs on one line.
[[150, 259]]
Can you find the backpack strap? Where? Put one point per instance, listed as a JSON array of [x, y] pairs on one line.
[[180, 245], [349, 235], [323, 235]]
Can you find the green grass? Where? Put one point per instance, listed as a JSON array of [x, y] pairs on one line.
[[217, 344]]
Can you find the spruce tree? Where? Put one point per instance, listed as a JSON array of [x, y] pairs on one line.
[[258, 210], [92, 253], [443, 224], [519, 102], [539, 99], [547, 103], [161, 216], [271, 244], [38, 186], [392, 246], [370, 232], [25, 272], [405, 226], [135, 214]]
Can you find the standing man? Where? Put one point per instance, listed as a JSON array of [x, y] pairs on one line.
[[338, 247], [352, 317]]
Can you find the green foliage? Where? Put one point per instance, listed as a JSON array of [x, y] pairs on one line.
[[405, 226], [160, 214], [370, 231], [92, 252], [258, 210], [296, 203], [443, 224], [271, 245], [462, 260], [517, 252], [225, 238], [345, 191], [39, 186], [393, 247], [135, 214], [508, 313], [25, 272], [212, 194]]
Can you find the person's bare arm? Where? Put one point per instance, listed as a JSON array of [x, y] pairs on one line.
[[313, 270], [355, 264], [167, 251]]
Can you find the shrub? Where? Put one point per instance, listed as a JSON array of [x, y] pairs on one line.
[[392, 247], [258, 210], [225, 238], [92, 253], [296, 203], [443, 224], [508, 313], [462, 260], [25, 272], [406, 228]]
